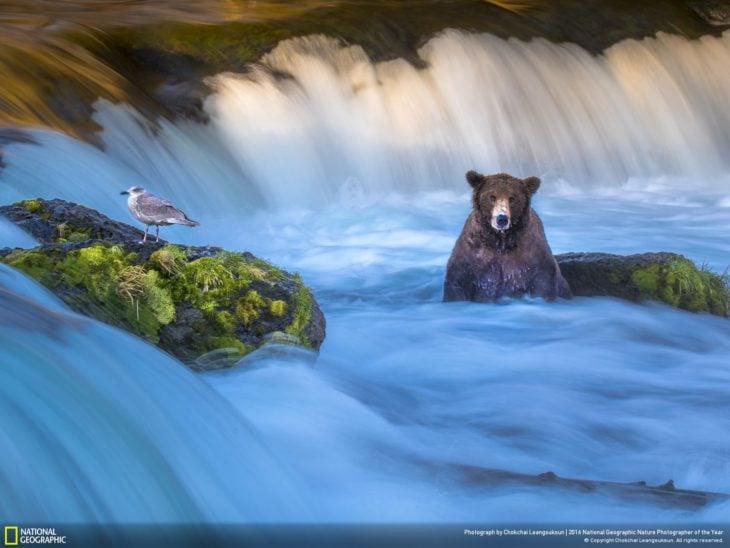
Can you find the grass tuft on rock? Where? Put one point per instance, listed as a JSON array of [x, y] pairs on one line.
[[684, 285], [170, 260], [696, 289]]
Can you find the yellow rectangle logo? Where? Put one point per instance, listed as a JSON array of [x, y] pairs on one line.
[[11, 535]]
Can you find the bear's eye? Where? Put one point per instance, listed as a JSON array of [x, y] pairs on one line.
[[512, 199], [492, 198]]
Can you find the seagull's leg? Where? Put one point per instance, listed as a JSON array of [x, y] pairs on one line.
[[146, 230], [158, 233]]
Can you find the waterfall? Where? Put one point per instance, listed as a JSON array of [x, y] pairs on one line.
[[642, 109], [316, 121]]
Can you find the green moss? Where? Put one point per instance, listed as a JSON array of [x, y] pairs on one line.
[[66, 233], [96, 267], [302, 311], [31, 206], [646, 280], [136, 317], [248, 307], [248, 271], [149, 299], [228, 342], [158, 298], [220, 46], [226, 321], [207, 273], [38, 265], [277, 308], [77, 236]]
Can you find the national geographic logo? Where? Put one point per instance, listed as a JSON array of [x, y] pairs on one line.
[[10, 535], [24, 536]]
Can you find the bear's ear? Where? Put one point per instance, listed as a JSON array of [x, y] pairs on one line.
[[474, 178], [532, 184]]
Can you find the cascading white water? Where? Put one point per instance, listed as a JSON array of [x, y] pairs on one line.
[[643, 109], [361, 166], [341, 126]]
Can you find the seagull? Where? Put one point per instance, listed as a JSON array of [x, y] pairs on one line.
[[151, 210]]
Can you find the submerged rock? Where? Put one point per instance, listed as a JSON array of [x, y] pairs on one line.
[[204, 305], [666, 277], [665, 495]]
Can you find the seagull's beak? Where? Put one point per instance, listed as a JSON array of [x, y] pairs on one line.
[[124, 192]]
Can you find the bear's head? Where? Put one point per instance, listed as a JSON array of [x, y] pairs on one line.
[[501, 201]]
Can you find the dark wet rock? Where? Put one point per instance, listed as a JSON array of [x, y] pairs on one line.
[[185, 98], [665, 495], [59, 221], [280, 337], [666, 277], [547, 476], [715, 13], [204, 305]]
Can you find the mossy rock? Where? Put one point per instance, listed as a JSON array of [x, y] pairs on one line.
[[189, 301], [665, 277]]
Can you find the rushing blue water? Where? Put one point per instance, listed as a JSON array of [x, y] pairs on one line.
[[319, 179], [92, 433]]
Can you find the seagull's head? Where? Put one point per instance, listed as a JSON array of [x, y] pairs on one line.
[[133, 191]]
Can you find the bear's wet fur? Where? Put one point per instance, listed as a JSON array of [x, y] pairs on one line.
[[502, 250]]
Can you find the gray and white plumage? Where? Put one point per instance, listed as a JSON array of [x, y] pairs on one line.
[[153, 210]]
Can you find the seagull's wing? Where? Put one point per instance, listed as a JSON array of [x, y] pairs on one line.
[[161, 210]]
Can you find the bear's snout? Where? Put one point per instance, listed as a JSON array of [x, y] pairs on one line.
[[501, 214]]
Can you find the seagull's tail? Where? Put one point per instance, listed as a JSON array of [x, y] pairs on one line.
[[185, 222]]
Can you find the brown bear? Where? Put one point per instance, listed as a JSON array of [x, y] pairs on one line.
[[502, 250]]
